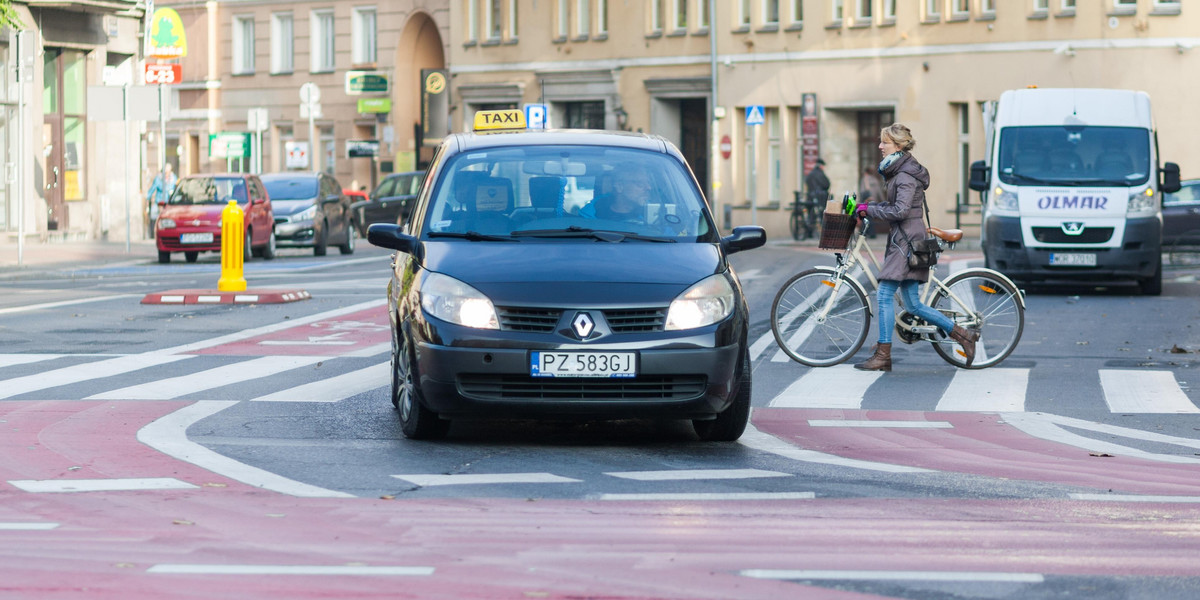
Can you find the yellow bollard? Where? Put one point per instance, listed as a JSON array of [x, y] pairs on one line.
[[233, 235]]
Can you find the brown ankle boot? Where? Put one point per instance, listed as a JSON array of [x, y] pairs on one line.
[[967, 340], [880, 361]]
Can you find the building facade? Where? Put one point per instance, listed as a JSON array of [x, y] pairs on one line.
[[827, 74]]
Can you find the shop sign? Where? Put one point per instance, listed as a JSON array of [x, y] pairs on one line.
[[367, 82], [167, 39]]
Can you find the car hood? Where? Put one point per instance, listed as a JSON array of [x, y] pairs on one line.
[[188, 213], [283, 208], [575, 272]]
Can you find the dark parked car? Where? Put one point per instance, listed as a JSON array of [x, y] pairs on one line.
[[1181, 216], [504, 303], [390, 202], [310, 212], [190, 220]]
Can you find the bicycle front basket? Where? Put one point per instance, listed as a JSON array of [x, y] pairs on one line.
[[836, 230]]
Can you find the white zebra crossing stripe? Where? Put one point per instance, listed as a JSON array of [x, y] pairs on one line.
[[986, 390], [694, 474], [841, 386], [49, 486], [9, 360], [427, 480], [174, 387], [334, 389], [1129, 391], [85, 372]]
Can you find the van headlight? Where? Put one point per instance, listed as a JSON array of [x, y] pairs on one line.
[[1003, 199], [708, 301], [452, 300], [1142, 203]]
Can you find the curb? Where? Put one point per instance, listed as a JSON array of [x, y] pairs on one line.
[[219, 297]]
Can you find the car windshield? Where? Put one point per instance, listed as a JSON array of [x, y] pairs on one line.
[[567, 193], [299, 188], [209, 190], [1075, 155]]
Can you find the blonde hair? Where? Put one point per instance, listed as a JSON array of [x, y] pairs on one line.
[[899, 135]]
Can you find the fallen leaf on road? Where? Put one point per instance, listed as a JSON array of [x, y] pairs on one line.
[[1175, 349], [1100, 454]]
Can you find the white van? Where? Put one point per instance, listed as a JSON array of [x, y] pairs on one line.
[[1072, 187]]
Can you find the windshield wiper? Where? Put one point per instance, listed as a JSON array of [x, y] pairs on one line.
[[473, 236], [604, 235]]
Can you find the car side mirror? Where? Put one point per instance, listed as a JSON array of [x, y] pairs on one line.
[[392, 237], [1169, 178], [980, 176], [747, 237]]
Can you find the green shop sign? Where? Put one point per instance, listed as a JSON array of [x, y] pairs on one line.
[[229, 145], [367, 82], [374, 105]]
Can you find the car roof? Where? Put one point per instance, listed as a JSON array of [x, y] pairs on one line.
[[465, 142], [296, 175]]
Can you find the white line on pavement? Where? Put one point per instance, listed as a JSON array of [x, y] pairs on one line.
[[174, 387], [1135, 498], [288, 570], [1051, 427], [334, 389], [701, 497], [85, 372], [483, 478], [1130, 391], [28, 526], [249, 333], [987, 390], [689, 474], [9, 360], [101, 485], [32, 307], [894, 575], [762, 442], [881, 424], [841, 386]]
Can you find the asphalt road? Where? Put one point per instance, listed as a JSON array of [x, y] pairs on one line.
[[266, 430]]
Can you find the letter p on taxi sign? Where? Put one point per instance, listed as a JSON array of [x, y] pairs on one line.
[[535, 116]]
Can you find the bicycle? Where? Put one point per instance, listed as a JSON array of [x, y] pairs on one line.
[[803, 221], [822, 316]]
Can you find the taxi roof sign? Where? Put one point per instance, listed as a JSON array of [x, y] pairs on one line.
[[500, 120]]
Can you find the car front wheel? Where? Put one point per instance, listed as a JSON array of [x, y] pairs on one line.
[[416, 421], [348, 247], [731, 422]]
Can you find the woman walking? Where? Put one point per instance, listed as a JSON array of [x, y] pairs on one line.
[[901, 205]]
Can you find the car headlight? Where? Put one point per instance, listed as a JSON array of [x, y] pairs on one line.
[[1003, 199], [305, 215], [707, 302], [452, 300], [1142, 203], [166, 223]]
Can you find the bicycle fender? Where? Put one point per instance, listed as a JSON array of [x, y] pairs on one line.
[[993, 273]]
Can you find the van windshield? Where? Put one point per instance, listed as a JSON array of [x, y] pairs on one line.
[[1075, 155]]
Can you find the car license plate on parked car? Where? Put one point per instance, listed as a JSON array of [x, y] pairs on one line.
[[583, 364], [196, 238], [1070, 259]]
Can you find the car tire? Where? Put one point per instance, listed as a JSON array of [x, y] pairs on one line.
[[1153, 285], [247, 250], [321, 242], [268, 251], [191, 256], [164, 257], [348, 247], [731, 422], [416, 421]]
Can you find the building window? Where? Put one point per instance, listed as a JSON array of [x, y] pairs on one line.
[[797, 13], [838, 10], [702, 9], [1125, 6], [243, 45], [960, 9], [583, 17], [563, 20], [987, 7], [328, 149], [282, 43], [491, 20], [771, 13], [1041, 6], [584, 115], [889, 11], [656, 16], [363, 33], [862, 11], [1170, 7], [774, 156], [322, 41], [932, 13], [601, 18], [1068, 5], [680, 18], [512, 19], [472, 25], [743, 16]]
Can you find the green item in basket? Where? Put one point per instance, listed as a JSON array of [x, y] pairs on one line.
[[849, 202]]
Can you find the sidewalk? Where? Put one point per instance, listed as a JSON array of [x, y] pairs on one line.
[[41, 256]]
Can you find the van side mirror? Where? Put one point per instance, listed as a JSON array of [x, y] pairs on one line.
[[1168, 178], [980, 176]]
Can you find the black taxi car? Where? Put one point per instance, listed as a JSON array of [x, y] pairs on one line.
[[506, 301]]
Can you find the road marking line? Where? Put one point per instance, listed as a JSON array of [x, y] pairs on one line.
[[1050, 427], [101, 485], [9, 360], [370, 351], [841, 386], [334, 389], [987, 390], [249, 333], [881, 424], [85, 372], [483, 478], [32, 307], [28, 526], [753, 438], [711, 496], [1129, 391], [287, 570], [174, 387], [168, 435], [690, 474], [1135, 498], [894, 575]]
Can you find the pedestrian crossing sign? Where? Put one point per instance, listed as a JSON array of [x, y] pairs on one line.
[[754, 115]]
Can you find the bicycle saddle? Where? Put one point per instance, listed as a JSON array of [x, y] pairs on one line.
[[949, 235]]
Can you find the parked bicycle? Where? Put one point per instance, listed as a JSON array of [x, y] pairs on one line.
[[822, 316], [804, 222]]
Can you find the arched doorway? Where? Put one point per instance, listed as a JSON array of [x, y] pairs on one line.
[[420, 48]]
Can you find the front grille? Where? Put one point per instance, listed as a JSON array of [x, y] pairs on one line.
[[636, 320], [522, 387], [1055, 235], [171, 242], [536, 320]]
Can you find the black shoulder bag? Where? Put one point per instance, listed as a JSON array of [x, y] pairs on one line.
[[923, 254]]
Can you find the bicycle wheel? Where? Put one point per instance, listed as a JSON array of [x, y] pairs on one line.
[[810, 338], [990, 305]]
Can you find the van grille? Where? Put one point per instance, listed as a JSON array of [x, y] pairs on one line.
[[1055, 235]]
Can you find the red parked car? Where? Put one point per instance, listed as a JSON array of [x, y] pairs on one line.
[[190, 220]]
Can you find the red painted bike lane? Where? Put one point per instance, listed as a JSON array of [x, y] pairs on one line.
[[339, 335]]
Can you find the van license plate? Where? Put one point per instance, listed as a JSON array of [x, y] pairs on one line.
[[583, 364], [1067, 259], [195, 238]]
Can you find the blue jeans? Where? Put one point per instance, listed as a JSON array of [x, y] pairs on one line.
[[910, 294]]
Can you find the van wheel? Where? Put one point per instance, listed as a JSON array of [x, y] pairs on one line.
[[1153, 286]]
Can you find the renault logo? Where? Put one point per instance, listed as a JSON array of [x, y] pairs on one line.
[[583, 325], [1072, 228]]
